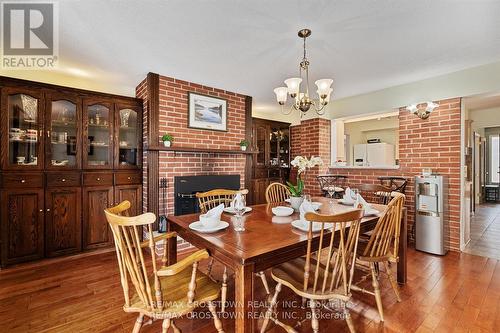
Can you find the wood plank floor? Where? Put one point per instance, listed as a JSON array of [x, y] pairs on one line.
[[455, 293]]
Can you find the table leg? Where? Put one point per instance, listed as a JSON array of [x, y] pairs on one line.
[[244, 297], [403, 245], [172, 249]]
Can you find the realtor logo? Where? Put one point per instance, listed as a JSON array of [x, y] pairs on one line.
[[29, 35]]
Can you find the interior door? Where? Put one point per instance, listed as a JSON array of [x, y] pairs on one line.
[[493, 158]]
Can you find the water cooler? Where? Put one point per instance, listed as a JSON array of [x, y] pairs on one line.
[[430, 200]]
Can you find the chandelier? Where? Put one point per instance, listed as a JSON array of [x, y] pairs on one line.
[[302, 100]]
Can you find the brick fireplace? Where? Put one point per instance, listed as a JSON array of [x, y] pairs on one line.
[[211, 152]]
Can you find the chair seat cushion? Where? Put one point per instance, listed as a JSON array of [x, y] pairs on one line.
[[291, 274], [174, 291]]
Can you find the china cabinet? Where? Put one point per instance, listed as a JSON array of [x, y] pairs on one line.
[[65, 155], [271, 163]]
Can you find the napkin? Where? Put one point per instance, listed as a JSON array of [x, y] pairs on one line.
[[304, 208], [364, 205], [348, 195], [215, 212]]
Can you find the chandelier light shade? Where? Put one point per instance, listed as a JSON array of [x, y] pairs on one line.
[[301, 99]]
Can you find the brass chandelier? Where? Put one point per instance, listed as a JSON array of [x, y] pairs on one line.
[[302, 100]]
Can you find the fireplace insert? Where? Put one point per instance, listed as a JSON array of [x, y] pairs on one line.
[[186, 187]]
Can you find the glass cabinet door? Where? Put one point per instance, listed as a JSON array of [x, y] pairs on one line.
[[63, 132], [128, 136], [24, 130], [261, 143], [98, 121]]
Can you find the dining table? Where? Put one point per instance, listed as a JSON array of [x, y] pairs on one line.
[[267, 241]]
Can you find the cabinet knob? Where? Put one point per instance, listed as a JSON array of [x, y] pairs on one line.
[[63, 180], [23, 181], [128, 178], [98, 179], [48, 209], [41, 210]]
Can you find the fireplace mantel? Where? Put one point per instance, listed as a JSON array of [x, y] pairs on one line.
[[201, 150]]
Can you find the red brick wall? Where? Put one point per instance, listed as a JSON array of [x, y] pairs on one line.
[[173, 117], [433, 143], [311, 138]]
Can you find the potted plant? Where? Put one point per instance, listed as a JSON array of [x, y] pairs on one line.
[[296, 191], [244, 144], [167, 139]]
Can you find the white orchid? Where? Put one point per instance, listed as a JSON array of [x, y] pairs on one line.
[[302, 163]]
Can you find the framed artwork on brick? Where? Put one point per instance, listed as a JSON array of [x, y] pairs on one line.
[[207, 112]]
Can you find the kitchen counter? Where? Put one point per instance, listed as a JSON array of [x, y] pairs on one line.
[[382, 167]]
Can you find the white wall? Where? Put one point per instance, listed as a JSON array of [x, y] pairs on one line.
[[472, 81], [484, 118]]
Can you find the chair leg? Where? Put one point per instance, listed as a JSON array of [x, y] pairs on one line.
[[348, 319], [394, 284], [165, 325], [314, 316], [264, 281], [209, 267], [376, 289], [269, 311], [138, 323], [175, 328], [217, 322], [224, 290]]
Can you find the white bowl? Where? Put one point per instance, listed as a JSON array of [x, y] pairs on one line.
[[282, 211], [209, 221]]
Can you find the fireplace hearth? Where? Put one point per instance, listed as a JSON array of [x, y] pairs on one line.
[[186, 187]]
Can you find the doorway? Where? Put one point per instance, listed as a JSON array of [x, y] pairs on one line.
[[482, 158]]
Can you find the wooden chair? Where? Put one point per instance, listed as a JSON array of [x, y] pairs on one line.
[[375, 193], [397, 184], [337, 181], [164, 293], [382, 247], [323, 274], [277, 192], [210, 199]]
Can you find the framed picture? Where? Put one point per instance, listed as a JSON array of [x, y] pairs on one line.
[[206, 112]]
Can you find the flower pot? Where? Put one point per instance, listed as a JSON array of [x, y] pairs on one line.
[[295, 202], [167, 143], [244, 148]]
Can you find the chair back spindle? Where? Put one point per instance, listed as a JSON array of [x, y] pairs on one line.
[[210, 199], [277, 192], [329, 262], [384, 240], [129, 251]]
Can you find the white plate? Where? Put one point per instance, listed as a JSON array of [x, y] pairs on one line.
[[371, 212], [198, 226], [282, 211], [230, 210], [316, 205], [347, 203], [304, 225]]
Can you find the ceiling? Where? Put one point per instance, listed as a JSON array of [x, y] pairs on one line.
[[250, 47]]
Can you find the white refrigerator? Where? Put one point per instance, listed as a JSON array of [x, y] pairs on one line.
[[374, 154]]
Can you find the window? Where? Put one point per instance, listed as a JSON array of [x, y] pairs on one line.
[[494, 152]]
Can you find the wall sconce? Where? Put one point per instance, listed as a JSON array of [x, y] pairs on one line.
[[422, 113]]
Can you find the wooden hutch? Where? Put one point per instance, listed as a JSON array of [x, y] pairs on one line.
[[271, 163], [65, 155]]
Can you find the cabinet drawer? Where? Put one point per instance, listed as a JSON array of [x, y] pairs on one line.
[[128, 178], [22, 180], [63, 179], [97, 178]]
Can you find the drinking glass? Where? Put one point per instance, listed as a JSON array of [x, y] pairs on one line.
[[331, 191], [239, 209], [307, 197], [354, 194]]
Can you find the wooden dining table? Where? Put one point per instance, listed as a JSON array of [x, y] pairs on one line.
[[267, 241]]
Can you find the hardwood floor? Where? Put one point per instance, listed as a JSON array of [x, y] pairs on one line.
[[485, 231], [455, 293]]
